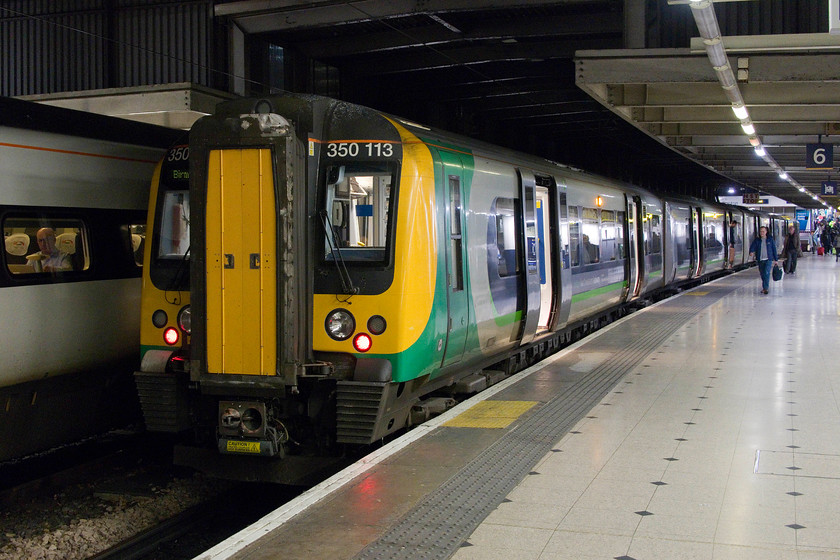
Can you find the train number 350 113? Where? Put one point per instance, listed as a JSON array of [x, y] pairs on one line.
[[354, 149]]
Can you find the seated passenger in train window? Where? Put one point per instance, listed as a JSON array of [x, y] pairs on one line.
[[712, 242], [49, 258], [589, 252]]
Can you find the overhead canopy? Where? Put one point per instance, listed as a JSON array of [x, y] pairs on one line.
[[500, 71], [505, 71], [790, 84]]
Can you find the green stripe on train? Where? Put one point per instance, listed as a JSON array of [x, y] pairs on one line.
[[509, 319], [598, 291]]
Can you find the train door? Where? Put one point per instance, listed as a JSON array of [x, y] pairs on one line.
[[696, 246], [457, 300], [669, 251], [240, 263], [633, 272], [544, 250], [531, 266], [563, 279]]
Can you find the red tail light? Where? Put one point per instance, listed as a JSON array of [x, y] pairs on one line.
[[170, 336], [362, 342]]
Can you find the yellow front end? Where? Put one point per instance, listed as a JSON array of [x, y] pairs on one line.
[[407, 305], [159, 309]]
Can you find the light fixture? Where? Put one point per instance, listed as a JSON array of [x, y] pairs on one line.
[[783, 175], [731, 190], [748, 128], [740, 112], [755, 142], [759, 151]]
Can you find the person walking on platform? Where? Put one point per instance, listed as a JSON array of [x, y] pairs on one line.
[[763, 249], [790, 251], [825, 239]]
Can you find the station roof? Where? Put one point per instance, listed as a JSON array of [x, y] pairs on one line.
[[552, 78], [792, 91]]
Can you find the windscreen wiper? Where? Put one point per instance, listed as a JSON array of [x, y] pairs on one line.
[[174, 285], [343, 274]]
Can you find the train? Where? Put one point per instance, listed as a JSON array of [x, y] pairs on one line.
[[73, 199], [322, 275]]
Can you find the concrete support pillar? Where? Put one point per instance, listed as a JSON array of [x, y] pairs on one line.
[[237, 60], [635, 24]]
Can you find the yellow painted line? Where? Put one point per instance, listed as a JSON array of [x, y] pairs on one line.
[[491, 414], [696, 294]]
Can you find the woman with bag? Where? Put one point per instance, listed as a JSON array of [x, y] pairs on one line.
[[763, 249]]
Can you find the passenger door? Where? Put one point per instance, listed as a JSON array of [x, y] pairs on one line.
[[696, 242], [632, 273], [240, 263], [545, 249], [563, 297], [456, 290], [531, 266]]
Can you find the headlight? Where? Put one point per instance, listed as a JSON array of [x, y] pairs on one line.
[[340, 324], [185, 319]]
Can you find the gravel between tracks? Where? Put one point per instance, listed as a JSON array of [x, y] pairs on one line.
[[79, 523]]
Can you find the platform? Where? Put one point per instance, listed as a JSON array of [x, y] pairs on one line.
[[706, 426]]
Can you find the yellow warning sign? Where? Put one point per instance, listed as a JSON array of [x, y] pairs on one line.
[[491, 414], [236, 446]]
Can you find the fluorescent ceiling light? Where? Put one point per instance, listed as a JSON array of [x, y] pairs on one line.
[[759, 151], [748, 128], [740, 112]]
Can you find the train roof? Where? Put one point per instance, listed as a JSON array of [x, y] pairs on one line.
[[16, 113], [304, 105]]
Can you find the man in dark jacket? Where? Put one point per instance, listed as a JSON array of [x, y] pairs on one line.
[[763, 249]]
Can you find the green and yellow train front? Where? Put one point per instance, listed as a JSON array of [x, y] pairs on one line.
[[380, 304], [165, 322], [315, 276]]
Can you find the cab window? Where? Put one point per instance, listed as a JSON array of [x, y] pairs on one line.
[[174, 239], [357, 215]]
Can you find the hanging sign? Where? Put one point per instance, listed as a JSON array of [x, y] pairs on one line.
[[819, 156], [802, 218], [829, 188]]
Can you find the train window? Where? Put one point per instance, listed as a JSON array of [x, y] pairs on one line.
[[646, 220], [608, 238], [39, 245], [456, 280], [358, 205], [619, 236], [590, 236], [656, 234], [574, 235], [175, 225], [508, 261], [134, 238]]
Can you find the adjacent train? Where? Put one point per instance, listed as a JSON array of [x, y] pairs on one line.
[[73, 200], [319, 273]]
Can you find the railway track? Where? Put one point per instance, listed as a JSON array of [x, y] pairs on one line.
[[150, 541]]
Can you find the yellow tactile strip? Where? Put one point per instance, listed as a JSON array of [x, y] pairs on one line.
[[696, 293], [491, 414]]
